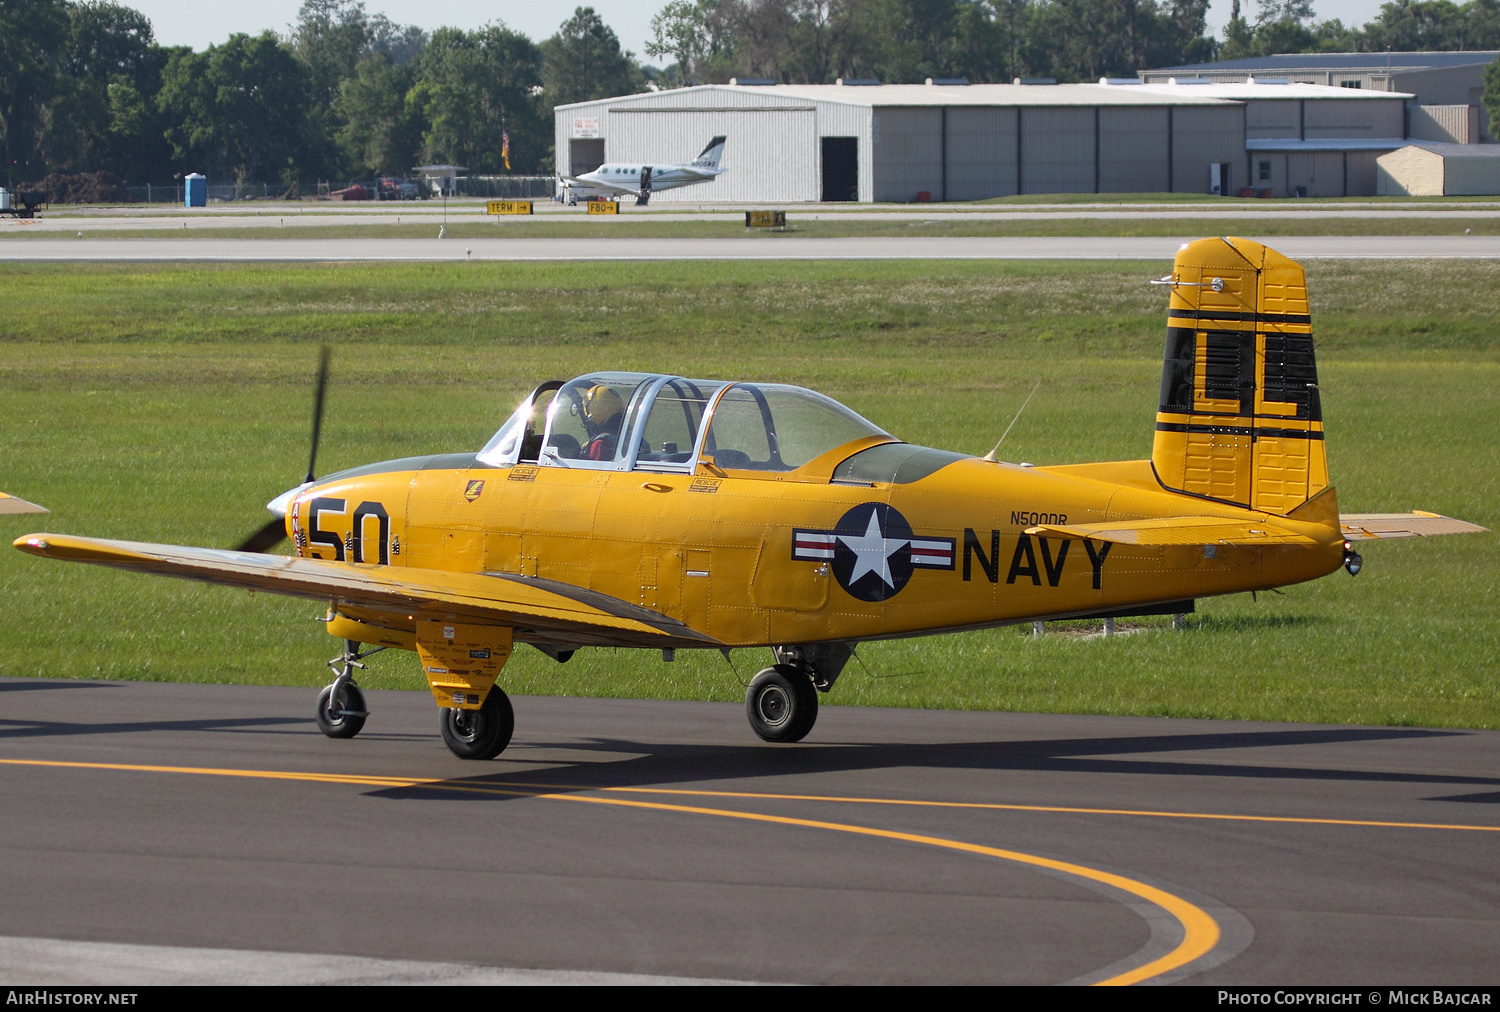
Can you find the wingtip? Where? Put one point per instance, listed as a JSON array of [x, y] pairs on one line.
[[10, 504]]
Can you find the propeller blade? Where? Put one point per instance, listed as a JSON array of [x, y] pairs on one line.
[[318, 409], [265, 539]]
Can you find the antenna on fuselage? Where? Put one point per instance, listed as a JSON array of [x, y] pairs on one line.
[[991, 456]]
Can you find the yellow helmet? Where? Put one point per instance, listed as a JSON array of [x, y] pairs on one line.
[[601, 403]]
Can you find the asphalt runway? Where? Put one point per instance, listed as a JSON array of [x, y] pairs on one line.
[[91, 220], [764, 247], [196, 833]]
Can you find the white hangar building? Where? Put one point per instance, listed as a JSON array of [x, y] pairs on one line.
[[952, 141]]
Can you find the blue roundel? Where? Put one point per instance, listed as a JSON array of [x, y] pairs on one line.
[[872, 552]]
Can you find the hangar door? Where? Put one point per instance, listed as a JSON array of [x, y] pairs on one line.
[[840, 168], [585, 154]]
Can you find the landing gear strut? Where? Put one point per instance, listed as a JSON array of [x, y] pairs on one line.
[[341, 709]]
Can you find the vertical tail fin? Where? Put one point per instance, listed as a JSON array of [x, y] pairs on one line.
[[1239, 419], [709, 157]]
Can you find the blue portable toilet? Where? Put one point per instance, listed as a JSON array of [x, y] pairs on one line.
[[195, 190]]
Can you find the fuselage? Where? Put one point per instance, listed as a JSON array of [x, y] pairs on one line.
[[634, 176], [819, 553]]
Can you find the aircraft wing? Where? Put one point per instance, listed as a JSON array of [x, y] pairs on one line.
[[1178, 531], [1419, 524], [594, 184], [10, 504], [536, 610]]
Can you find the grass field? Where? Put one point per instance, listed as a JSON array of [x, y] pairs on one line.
[[803, 225], [169, 402]]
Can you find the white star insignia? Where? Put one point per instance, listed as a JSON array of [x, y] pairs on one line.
[[872, 552]]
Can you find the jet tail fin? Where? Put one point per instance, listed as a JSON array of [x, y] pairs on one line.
[[709, 157], [1239, 420]]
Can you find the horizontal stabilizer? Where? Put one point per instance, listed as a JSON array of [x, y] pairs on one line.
[[535, 609], [1384, 526], [10, 504], [1179, 531]]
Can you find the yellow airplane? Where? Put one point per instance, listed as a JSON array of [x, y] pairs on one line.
[[634, 510]]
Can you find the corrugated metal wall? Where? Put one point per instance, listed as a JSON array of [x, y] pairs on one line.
[[908, 153], [1410, 171], [981, 153], [1272, 118], [836, 119], [771, 153], [1362, 173], [1325, 118], [1202, 135], [1453, 124], [1134, 149], [1471, 175], [1057, 149]]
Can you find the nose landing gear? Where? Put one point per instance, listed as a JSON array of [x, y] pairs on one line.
[[341, 709]]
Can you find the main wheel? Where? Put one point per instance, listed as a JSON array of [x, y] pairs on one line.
[[332, 716], [782, 704], [481, 733]]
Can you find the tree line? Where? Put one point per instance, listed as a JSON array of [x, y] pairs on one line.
[[84, 87], [343, 94]]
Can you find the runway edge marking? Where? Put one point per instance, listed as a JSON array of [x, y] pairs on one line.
[[1200, 932]]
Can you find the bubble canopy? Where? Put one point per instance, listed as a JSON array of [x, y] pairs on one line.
[[650, 422]]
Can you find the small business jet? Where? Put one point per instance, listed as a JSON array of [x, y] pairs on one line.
[[654, 511], [617, 179]]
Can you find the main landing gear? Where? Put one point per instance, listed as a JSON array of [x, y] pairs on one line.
[[782, 700], [781, 703], [481, 733], [341, 709]]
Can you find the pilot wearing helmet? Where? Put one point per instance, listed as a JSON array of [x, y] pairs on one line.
[[603, 413]]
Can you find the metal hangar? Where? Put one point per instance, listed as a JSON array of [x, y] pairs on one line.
[[951, 141]]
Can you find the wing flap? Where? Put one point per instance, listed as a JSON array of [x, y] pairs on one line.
[[547, 614], [1417, 524], [1179, 531]]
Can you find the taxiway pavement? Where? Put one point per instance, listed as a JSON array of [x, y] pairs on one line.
[[160, 832], [765, 247]]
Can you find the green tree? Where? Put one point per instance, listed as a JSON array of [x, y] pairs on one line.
[[32, 38], [381, 133], [109, 48], [240, 107], [699, 35], [584, 61], [1491, 97], [475, 87]]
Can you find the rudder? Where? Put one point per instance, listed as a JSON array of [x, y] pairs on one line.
[[1239, 419]]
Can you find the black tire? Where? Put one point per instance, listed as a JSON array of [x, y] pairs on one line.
[[481, 733], [782, 704], [340, 725]]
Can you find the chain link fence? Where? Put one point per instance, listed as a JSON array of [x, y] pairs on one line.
[[488, 187]]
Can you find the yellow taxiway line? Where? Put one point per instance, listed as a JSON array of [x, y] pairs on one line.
[[1200, 932]]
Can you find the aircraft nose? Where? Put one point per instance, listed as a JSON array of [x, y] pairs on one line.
[[283, 502]]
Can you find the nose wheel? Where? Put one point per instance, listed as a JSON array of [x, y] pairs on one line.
[[341, 709], [782, 703]]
